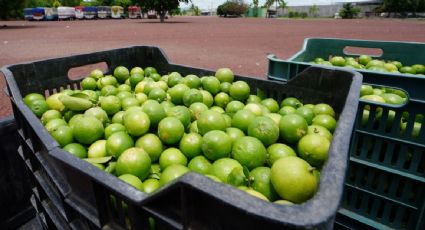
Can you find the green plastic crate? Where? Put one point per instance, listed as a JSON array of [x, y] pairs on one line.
[[408, 53], [385, 182]]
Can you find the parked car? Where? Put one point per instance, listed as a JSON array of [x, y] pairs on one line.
[[117, 12], [134, 12], [28, 14], [90, 12], [152, 14], [66, 13], [51, 14], [103, 12], [79, 14], [38, 13]]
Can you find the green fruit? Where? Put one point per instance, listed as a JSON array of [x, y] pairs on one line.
[[262, 183], [292, 127], [75, 103], [293, 179]]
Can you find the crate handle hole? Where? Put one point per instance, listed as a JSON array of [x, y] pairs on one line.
[[353, 50], [80, 72]]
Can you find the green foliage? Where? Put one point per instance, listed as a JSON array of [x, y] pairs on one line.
[[56, 3], [11, 9], [348, 11], [39, 3], [281, 3], [123, 3], [161, 6], [177, 11], [402, 6], [313, 10], [232, 7], [296, 14], [70, 2], [90, 3]]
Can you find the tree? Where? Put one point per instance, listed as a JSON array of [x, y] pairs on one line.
[[313, 10], [161, 6], [70, 2], [233, 7], [124, 3], [255, 2], [56, 3], [195, 10], [349, 11], [11, 9], [281, 3], [402, 6]]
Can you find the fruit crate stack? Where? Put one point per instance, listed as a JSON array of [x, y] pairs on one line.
[[73, 193], [385, 178], [15, 191]]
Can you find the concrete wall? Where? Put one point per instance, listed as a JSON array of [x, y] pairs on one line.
[[326, 10]]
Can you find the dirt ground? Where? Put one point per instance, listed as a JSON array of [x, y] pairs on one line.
[[208, 42]]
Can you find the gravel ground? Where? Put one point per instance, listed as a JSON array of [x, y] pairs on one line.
[[208, 42]]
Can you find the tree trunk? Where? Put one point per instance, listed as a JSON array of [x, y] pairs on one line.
[[162, 16]]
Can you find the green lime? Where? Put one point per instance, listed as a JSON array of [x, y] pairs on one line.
[[32, 97], [262, 183], [222, 99], [264, 129], [314, 149], [216, 144], [171, 173], [76, 149], [240, 91], [121, 74], [97, 149], [249, 151], [137, 123], [38, 107], [222, 167], [326, 121], [155, 112], [242, 119], [117, 143], [211, 84], [50, 115], [151, 185], [191, 145], [200, 164], [293, 179], [63, 135], [172, 156], [132, 180], [134, 161], [182, 113], [224, 75], [170, 130], [277, 151], [87, 130], [210, 120], [291, 101], [192, 96], [151, 144], [292, 127]]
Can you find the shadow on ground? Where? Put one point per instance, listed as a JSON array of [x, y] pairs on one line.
[[14, 27], [154, 21]]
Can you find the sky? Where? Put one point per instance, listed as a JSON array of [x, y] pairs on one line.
[[212, 4]]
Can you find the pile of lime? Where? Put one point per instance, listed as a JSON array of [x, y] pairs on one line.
[[149, 129], [389, 96], [366, 62]]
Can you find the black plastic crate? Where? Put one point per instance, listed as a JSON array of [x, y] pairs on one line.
[[192, 201], [14, 190]]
